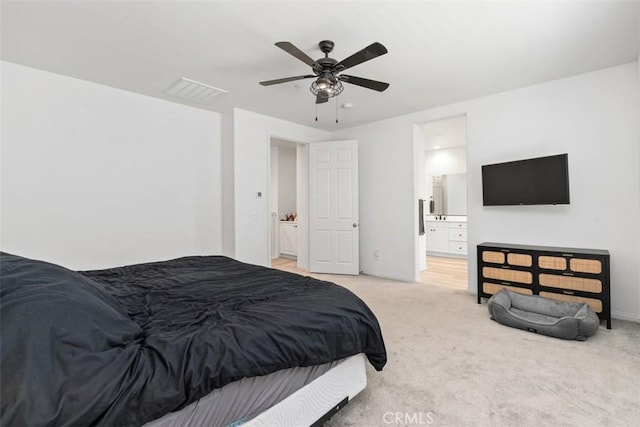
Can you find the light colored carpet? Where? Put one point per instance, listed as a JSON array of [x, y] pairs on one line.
[[449, 364]]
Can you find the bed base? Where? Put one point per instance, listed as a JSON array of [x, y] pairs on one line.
[[331, 413], [319, 400], [310, 405]]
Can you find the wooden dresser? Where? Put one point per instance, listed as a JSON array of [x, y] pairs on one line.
[[565, 274]]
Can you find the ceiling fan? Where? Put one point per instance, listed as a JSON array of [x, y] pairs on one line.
[[327, 70]]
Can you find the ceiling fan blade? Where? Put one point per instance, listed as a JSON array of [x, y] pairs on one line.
[[372, 51], [359, 81], [292, 50], [286, 79], [321, 99]]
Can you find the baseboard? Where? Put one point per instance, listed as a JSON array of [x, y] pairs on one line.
[[625, 316], [396, 278], [448, 255]]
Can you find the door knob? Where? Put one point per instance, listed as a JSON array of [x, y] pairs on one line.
[[355, 225]]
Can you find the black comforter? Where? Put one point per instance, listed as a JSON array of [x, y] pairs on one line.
[[123, 346]]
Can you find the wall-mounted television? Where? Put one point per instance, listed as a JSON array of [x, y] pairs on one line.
[[536, 181]]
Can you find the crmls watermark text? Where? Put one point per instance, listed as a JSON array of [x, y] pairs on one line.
[[408, 418]]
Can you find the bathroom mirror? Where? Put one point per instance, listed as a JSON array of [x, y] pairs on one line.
[[449, 194]]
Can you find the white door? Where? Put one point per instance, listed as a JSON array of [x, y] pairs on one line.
[[441, 239], [333, 204]]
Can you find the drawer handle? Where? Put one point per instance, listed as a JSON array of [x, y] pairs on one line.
[[506, 283], [567, 255], [567, 274], [568, 292]]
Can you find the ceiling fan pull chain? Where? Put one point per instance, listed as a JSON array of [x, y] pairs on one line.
[[336, 109], [316, 112]]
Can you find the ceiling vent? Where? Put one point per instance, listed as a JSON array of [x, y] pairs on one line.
[[192, 90]]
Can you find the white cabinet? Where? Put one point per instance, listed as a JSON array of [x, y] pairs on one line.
[[458, 238], [446, 237], [437, 236], [288, 238]]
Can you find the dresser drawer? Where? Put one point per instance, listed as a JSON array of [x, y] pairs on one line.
[[518, 276], [458, 248], [493, 257], [458, 235], [493, 288], [521, 260], [567, 262], [458, 225], [570, 282]]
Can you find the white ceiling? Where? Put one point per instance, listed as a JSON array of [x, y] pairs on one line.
[[440, 52], [446, 133]]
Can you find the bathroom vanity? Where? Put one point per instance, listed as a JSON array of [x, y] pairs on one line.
[[446, 235]]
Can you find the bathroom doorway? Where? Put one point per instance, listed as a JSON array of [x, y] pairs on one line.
[[444, 192]]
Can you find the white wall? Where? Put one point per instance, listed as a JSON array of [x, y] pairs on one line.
[[302, 200], [251, 138], [638, 142], [95, 177], [451, 162], [388, 197], [274, 230], [228, 186], [446, 161], [286, 181], [422, 191], [273, 180], [593, 117]]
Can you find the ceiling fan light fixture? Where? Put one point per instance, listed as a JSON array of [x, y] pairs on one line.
[[328, 82], [326, 88]]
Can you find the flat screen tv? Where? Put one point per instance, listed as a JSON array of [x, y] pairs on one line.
[[537, 181]]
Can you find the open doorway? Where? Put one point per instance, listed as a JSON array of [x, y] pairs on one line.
[[283, 202], [443, 189], [324, 179]]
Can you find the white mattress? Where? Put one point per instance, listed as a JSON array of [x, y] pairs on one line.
[[295, 397], [310, 403]]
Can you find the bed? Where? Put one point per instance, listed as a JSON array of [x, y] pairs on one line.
[[199, 340]]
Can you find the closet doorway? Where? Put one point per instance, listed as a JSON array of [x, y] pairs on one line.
[[443, 188], [283, 201]]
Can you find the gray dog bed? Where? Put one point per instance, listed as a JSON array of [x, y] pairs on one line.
[[566, 320]]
